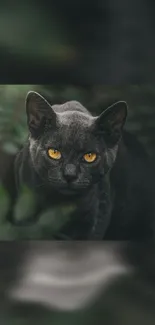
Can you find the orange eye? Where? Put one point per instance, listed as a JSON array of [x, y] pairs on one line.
[[54, 154], [90, 157]]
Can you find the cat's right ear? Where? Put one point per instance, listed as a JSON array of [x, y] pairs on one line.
[[111, 122], [38, 111]]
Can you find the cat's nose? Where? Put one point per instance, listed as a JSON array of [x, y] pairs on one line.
[[70, 172]]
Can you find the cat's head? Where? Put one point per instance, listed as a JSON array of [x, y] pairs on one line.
[[70, 149]]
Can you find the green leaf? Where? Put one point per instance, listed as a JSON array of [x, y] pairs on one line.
[[56, 218], [10, 148]]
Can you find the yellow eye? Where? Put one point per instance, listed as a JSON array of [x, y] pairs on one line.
[[90, 157], [54, 154]]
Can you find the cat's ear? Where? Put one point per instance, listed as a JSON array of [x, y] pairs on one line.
[[110, 123], [38, 111]]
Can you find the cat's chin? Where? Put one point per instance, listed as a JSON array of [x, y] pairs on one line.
[[71, 191], [68, 191]]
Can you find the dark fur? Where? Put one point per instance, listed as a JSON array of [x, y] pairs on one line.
[[114, 195]]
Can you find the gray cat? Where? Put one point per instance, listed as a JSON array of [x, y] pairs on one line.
[[72, 156]]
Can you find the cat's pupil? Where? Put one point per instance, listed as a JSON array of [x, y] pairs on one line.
[[55, 151]]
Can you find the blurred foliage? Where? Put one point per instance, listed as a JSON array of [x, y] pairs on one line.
[[47, 225], [19, 35], [12, 121], [77, 41]]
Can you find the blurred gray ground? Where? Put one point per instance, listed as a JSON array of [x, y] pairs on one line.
[[43, 282]]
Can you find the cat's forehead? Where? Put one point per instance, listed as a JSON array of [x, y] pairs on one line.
[[74, 119], [70, 106], [73, 129]]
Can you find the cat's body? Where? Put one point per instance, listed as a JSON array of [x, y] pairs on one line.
[[113, 194]]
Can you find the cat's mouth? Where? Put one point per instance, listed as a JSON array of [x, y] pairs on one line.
[[70, 189]]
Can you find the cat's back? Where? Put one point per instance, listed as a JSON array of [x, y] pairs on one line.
[[70, 106]]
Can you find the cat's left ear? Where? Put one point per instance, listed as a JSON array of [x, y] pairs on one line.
[[110, 123], [38, 111]]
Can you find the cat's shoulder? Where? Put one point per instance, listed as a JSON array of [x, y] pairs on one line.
[[70, 106]]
